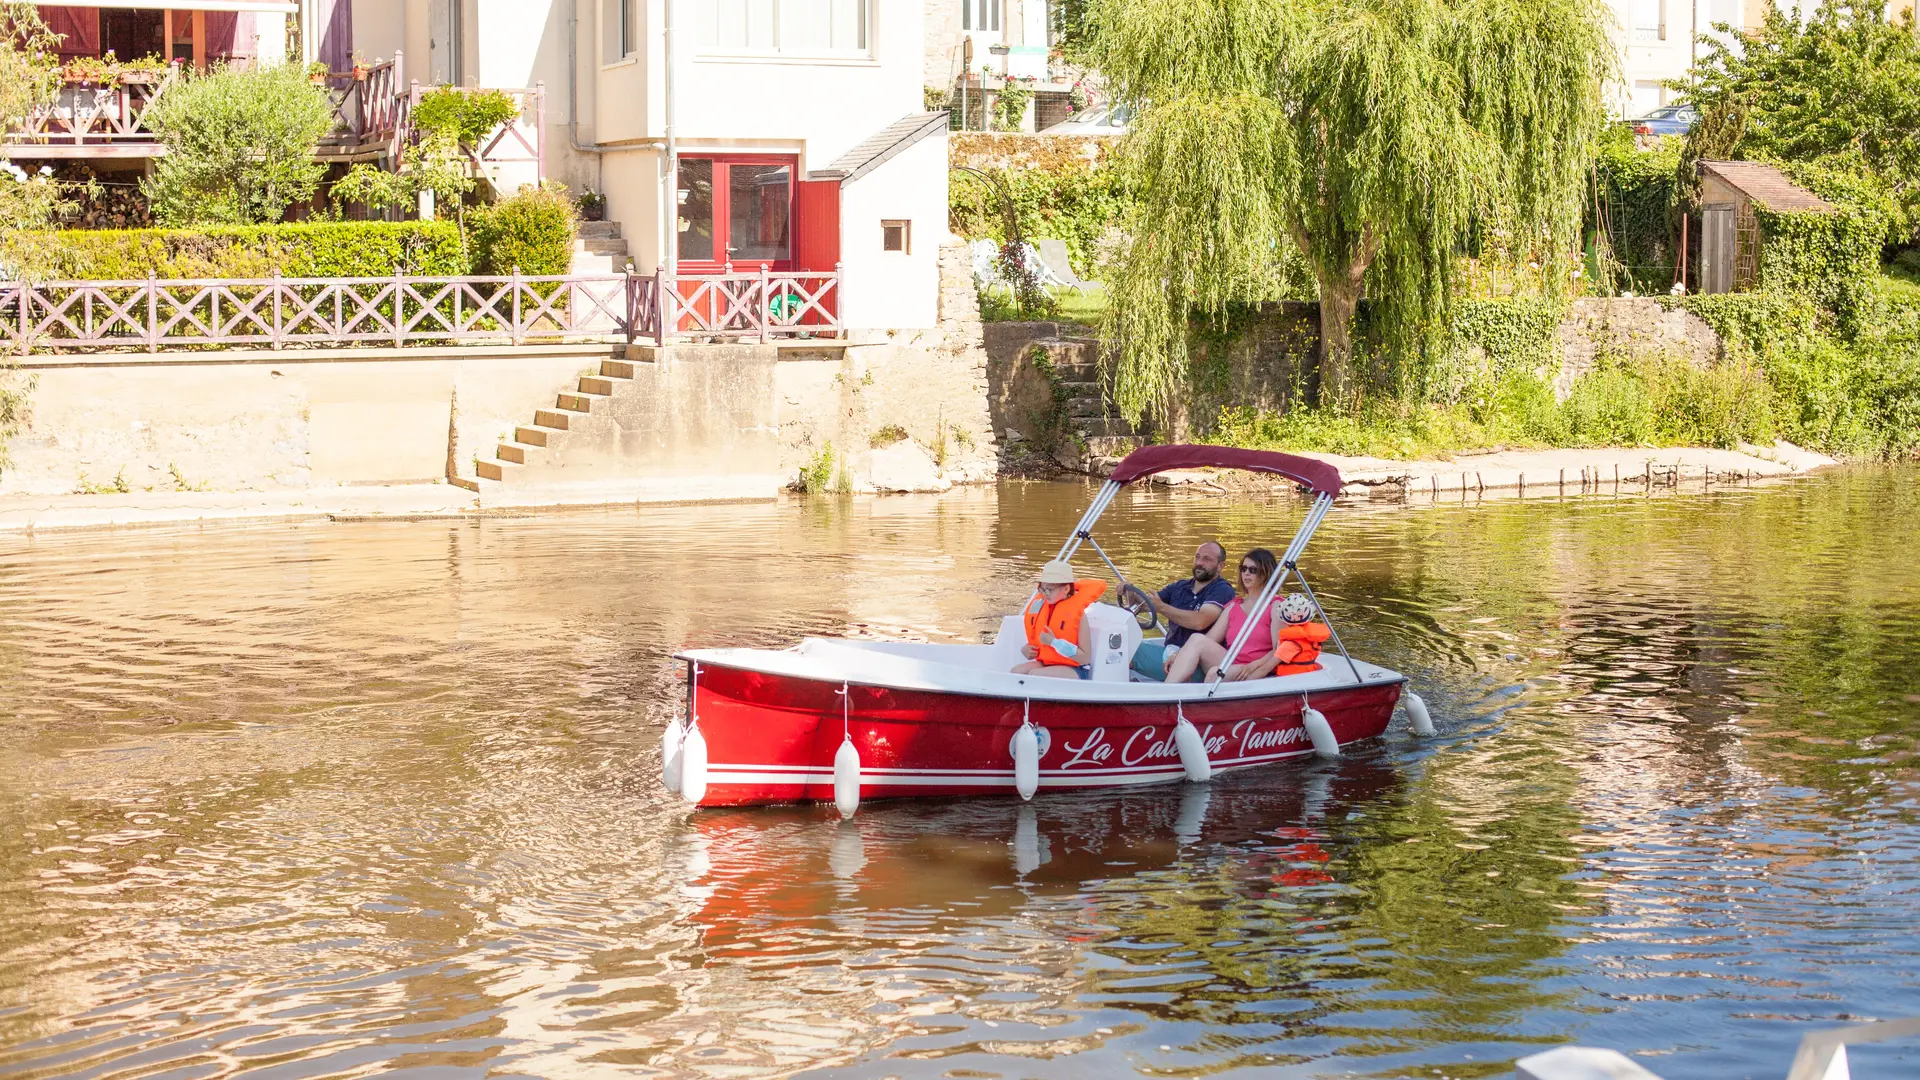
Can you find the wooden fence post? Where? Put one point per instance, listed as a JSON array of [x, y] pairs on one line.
[[277, 330], [662, 305], [766, 304], [515, 286], [153, 313], [399, 290]]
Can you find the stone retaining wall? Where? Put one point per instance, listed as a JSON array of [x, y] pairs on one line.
[[320, 418]]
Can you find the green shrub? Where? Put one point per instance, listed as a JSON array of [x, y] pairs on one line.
[[1832, 257], [531, 232], [239, 145], [467, 115], [335, 249], [1633, 214]]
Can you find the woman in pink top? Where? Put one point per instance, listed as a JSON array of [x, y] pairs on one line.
[[1209, 650]]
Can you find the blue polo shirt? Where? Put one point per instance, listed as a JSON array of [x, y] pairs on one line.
[[1182, 595]]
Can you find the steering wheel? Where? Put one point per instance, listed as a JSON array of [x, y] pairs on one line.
[[1136, 603]]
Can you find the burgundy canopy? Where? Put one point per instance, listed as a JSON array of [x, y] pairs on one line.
[[1321, 477]]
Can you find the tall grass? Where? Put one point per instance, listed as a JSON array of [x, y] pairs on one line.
[[1623, 401]]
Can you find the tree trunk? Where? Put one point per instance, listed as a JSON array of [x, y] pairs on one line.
[[1338, 299]]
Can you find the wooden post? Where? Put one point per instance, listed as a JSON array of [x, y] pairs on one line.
[[153, 313], [1523, 485], [398, 309], [662, 304], [276, 308], [1563, 481], [514, 284], [766, 304]]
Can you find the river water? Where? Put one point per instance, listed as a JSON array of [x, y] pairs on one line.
[[332, 799]]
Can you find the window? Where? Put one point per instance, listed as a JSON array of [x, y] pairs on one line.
[[797, 27], [737, 210], [896, 236], [619, 29], [1649, 20], [980, 14]]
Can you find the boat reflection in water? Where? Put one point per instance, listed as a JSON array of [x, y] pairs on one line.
[[771, 869]]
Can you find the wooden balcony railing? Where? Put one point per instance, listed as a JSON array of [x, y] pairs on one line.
[[85, 113], [278, 313]]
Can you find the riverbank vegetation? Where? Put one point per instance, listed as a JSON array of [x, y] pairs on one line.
[[1822, 349]]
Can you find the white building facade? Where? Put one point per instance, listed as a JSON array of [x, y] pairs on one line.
[[1661, 40], [796, 128]]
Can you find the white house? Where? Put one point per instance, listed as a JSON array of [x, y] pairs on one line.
[[796, 127], [1660, 40]]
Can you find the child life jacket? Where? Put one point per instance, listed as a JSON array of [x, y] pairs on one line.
[[1299, 647], [1049, 623]]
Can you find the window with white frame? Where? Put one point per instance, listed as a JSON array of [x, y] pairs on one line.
[[787, 27], [980, 14], [1649, 20]]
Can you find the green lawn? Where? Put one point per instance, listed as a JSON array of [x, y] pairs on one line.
[[1084, 309]]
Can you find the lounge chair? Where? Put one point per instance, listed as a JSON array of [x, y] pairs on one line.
[[1059, 267]]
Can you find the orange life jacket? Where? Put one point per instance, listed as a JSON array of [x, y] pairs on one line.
[[1299, 647], [1063, 619]]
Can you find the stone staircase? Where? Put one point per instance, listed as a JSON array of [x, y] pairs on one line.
[[598, 249], [679, 422], [1100, 437], [570, 410]]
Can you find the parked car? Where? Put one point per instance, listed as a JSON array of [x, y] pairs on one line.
[[1670, 120]]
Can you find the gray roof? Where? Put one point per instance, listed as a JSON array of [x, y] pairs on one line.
[[875, 150], [1765, 185]]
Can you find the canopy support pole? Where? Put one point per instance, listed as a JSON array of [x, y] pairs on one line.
[[1337, 643]]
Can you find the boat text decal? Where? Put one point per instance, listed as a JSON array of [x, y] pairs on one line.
[[1147, 744]]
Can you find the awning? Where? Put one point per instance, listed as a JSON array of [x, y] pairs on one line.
[[283, 7], [1323, 478]]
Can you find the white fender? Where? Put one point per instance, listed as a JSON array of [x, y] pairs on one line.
[[1417, 712], [1026, 761], [670, 755], [846, 779], [1320, 732], [1193, 751], [693, 766]]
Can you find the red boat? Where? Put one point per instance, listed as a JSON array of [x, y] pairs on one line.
[[844, 721]]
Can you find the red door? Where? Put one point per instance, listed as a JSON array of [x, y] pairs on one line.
[[737, 209]]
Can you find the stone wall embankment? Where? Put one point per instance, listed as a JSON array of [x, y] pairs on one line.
[[262, 421]]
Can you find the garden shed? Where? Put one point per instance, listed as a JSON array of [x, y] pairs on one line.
[[1730, 239]]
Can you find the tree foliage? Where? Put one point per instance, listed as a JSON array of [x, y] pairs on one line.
[[467, 115], [240, 146], [1375, 139], [1840, 87]]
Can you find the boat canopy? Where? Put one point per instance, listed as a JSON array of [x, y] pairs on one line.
[[1317, 475]]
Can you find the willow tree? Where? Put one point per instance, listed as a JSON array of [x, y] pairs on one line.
[[1366, 141]]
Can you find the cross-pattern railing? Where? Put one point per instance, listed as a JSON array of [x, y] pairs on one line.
[[277, 312], [83, 112], [762, 304]]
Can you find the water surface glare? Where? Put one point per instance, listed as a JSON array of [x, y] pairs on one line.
[[342, 799]]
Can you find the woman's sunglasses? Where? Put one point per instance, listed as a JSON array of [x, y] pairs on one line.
[[1249, 568]]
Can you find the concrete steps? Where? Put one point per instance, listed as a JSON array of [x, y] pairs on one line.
[[532, 444], [599, 249]]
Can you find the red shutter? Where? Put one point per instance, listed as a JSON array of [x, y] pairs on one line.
[[816, 232], [816, 218]]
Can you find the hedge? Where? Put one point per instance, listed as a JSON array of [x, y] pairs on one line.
[[531, 232], [334, 249]]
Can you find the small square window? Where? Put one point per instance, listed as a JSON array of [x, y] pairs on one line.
[[896, 236]]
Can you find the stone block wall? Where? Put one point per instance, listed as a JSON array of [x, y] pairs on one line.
[[1629, 326]]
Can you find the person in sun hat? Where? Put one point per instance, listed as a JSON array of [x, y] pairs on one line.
[[1056, 623]]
